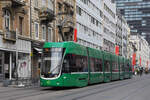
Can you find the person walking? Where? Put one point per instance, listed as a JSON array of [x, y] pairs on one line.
[[141, 71]]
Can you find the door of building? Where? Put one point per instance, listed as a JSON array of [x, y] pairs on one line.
[[1, 65]]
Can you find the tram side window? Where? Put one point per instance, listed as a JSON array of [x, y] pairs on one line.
[[75, 63], [85, 64], [98, 65], [115, 67], [107, 66], [92, 64]]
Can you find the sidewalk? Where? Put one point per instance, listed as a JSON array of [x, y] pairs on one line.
[[21, 85]]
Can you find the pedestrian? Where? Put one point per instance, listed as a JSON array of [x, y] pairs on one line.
[[141, 71]]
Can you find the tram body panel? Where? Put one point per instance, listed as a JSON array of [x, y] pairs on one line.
[[114, 68], [107, 67], [96, 66], [69, 64]]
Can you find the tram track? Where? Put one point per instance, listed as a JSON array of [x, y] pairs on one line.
[[17, 89], [103, 89], [107, 89], [23, 94], [29, 93]]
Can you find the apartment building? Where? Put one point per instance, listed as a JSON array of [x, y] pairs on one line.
[[109, 24], [142, 52], [15, 47], [51, 21], [89, 23], [119, 32], [137, 14], [65, 23], [41, 30], [125, 32]]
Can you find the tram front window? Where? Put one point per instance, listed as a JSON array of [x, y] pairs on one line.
[[52, 58]]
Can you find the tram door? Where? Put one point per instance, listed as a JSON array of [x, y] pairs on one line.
[[1, 65]]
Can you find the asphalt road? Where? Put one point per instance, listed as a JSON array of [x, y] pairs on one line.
[[137, 88]]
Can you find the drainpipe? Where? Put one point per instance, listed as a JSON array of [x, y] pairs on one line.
[[30, 21], [31, 58], [10, 67]]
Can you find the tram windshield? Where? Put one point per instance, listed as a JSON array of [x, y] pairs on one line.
[[51, 62]]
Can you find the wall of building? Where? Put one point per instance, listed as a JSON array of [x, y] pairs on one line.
[[14, 38], [109, 22], [37, 6], [137, 14], [142, 49], [65, 11], [119, 32], [15, 14], [125, 32], [89, 23]]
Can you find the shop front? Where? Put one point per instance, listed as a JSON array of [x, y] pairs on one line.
[[15, 60]]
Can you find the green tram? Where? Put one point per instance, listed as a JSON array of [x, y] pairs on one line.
[[69, 64]]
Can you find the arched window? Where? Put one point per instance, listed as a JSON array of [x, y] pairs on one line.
[[7, 19]]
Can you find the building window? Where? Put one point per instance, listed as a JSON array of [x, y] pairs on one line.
[[49, 34], [36, 30], [20, 25], [93, 20], [7, 19], [50, 4], [97, 22], [43, 3], [79, 11], [44, 32], [36, 3], [85, 1]]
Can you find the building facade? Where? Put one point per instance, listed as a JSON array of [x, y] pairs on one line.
[[89, 23], [65, 23], [96, 24], [119, 32], [41, 30], [142, 52], [125, 32], [109, 26], [15, 46], [137, 14], [51, 21], [24, 27]]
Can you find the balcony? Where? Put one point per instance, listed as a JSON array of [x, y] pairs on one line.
[[46, 15], [69, 6], [18, 3], [69, 27], [10, 35]]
